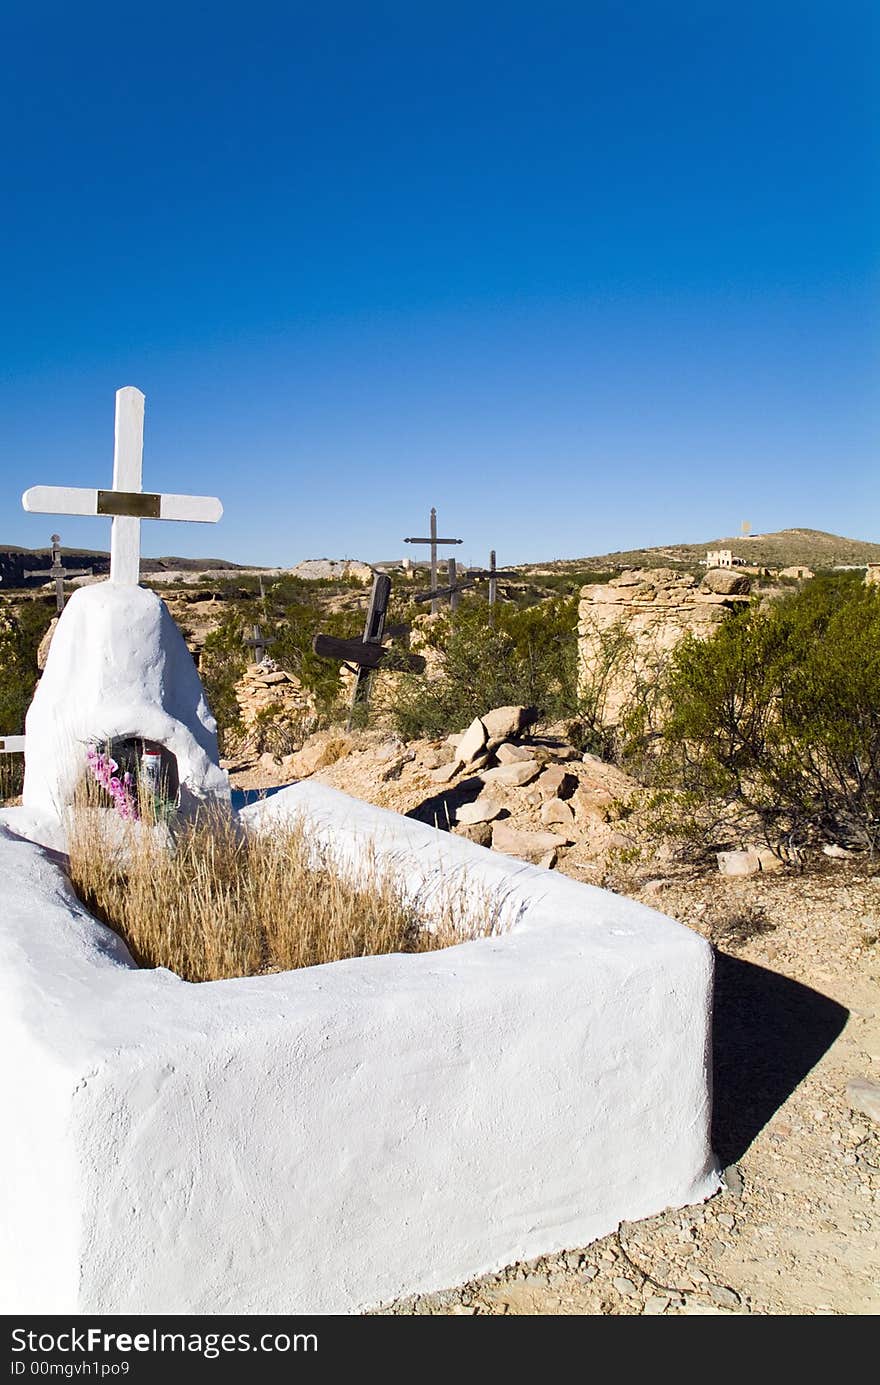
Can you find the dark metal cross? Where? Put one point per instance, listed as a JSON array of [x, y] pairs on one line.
[[434, 542], [59, 572]]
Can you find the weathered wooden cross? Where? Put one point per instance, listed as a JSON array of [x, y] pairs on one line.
[[434, 542], [493, 574], [258, 643], [59, 572], [367, 654], [127, 503]]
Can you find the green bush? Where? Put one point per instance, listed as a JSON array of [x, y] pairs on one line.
[[22, 627], [489, 657], [779, 714]]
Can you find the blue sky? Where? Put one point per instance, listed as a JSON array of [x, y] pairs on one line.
[[584, 276]]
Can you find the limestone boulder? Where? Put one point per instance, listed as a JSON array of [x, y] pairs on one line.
[[726, 581], [503, 722]]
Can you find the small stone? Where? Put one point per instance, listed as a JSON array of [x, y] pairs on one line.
[[444, 773], [725, 1219], [837, 853], [556, 782], [864, 1097], [481, 810], [530, 845], [735, 863], [554, 810], [548, 860], [733, 1181], [480, 833], [507, 753], [624, 1286], [723, 1296], [655, 1304], [511, 776], [654, 887], [472, 742], [589, 1272]]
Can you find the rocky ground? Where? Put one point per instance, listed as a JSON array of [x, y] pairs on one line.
[[797, 1020]]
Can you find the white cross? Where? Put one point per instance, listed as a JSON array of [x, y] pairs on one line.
[[11, 745], [127, 502]]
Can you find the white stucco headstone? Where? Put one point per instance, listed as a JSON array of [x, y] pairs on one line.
[[118, 668]]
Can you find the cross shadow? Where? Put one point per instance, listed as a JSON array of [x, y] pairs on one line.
[[768, 1033]]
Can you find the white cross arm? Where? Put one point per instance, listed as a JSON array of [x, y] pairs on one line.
[[11, 745], [75, 500]]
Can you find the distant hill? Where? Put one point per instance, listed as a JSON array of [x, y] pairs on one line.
[[788, 548], [15, 562]]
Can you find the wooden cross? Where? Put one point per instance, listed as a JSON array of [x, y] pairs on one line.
[[434, 542], [127, 502], [258, 644], [59, 572], [11, 745], [493, 574], [367, 653], [452, 590]]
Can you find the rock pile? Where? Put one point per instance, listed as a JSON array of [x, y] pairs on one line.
[[266, 690], [630, 625]]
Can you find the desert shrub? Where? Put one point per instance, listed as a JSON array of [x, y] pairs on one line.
[[222, 663], [509, 656], [209, 901], [779, 714], [22, 627]]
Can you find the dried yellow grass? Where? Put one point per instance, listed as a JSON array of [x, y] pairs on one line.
[[209, 901]]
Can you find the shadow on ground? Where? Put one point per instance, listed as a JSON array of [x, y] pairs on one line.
[[439, 810], [768, 1033]]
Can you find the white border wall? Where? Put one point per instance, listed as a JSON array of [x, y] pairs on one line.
[[329, 1139]]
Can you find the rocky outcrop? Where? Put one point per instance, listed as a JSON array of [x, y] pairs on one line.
[[628, 627], [332, 569]]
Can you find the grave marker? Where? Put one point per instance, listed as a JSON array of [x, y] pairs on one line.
[[258, 643], [367, 653], [127, 503], [59, 572], [434, 543]]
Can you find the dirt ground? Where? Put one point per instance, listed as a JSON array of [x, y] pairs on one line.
[[797, 1016]]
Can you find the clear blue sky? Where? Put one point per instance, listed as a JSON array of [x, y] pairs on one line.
[[584, 276]]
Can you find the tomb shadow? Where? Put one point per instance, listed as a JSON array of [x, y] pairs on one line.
[[768, 1033], [439, 810]]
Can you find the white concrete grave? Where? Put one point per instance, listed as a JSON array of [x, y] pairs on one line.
[[329, 1139]]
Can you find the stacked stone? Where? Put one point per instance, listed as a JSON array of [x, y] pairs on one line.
[[653, 609], [264, 686]]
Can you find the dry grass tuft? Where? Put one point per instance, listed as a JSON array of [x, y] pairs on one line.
[[210, 902], [11, 777]]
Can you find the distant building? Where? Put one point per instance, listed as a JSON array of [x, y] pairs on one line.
[[720, 557], [802, 573]]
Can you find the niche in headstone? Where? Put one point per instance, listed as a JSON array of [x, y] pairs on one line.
[[129, 770]]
